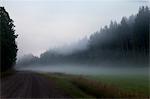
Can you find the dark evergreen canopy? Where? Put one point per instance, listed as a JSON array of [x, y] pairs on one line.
[[7, 40]]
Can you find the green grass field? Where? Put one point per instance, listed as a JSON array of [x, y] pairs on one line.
[[103, 86], [129, 83]]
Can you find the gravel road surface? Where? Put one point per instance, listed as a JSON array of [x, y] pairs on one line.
[[29, 85]]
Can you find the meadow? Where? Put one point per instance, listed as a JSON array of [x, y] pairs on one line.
[[129, 83], [103, 86]]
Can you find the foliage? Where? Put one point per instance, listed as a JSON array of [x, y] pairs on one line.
[[128, 40], [7, 41], [124, 42]]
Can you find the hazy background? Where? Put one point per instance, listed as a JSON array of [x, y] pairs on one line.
[[51, 24]]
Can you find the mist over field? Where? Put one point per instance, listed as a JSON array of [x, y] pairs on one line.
[[75, 49], [118, 48], [87, 70]]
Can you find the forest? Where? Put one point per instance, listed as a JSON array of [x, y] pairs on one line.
[[114, 63], [124, 42]]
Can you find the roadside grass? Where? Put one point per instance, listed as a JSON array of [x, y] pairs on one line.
[[99, 86], [7, 73], [91, 87], [67, 86], [129, 83]]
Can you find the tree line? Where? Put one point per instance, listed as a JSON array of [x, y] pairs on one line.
[[127, 41]]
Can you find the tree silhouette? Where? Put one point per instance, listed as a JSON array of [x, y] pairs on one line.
[[7, 41], [126, 41]]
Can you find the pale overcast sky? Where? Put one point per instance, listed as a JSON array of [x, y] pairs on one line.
[[45, 24]]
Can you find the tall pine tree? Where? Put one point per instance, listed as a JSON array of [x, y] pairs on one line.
[[8, 47]]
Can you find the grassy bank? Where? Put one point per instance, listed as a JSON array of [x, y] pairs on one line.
[[102, 86]]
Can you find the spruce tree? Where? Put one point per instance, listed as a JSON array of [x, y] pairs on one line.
[[8, 47]]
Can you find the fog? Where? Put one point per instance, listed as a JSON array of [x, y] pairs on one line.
[[71, 48], [47, 24], [64, 36], [87, 70]]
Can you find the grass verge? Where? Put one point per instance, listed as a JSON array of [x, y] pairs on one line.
[[81, 87]]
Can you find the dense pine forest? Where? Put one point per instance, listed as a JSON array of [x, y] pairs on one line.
[[124, 42]]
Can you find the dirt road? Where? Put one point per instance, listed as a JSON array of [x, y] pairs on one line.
[[29, 85]]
